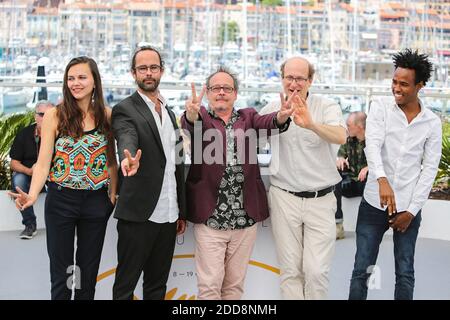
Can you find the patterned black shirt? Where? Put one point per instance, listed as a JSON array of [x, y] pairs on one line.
[[229, 213]]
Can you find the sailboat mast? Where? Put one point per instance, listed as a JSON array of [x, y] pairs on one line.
[[244, 42], [355, 40], [330, 28], [288, 29]]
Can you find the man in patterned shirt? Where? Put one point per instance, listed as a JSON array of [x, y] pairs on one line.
[[224, 191], [352, 166]]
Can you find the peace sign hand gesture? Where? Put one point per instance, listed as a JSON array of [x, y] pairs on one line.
[[22, 199], [194, 103], [129, 164], [286, 109]]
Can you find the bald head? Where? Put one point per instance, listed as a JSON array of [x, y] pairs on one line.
[[356, 125], [358, 118], [297, 75], [298, 61]]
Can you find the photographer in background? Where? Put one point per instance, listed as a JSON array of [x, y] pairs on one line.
[[352, 166]]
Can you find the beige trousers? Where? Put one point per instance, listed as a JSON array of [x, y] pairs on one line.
[[304, 230], [221, 261]]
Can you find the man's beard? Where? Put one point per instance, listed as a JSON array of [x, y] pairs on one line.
[[148, 87]]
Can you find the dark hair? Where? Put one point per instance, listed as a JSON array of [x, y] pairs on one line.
[[70, 116], [409, 59], [311, 69], [144, 48], [223, 69]]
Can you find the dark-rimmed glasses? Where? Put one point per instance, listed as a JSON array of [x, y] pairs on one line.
[[154, 68], [217, 89]]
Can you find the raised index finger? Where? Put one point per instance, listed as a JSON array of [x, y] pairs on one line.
[[194, 93], [202, 94], [20, 191], [282, 100], [127, 154]]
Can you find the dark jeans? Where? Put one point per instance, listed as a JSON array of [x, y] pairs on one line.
[[348, 188], [23, 181], [371, 225], [85, 212]]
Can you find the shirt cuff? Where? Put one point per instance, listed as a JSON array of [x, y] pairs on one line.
[[283, 127], [380, 173], [414, 209], [189, 123]]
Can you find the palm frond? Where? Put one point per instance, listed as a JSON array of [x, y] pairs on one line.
[[9, 127]]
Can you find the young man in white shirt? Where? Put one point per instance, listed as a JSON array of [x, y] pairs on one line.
[[403, 149]]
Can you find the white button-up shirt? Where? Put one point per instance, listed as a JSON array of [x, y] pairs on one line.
[[407, 154], [301, 160], [166, 209]]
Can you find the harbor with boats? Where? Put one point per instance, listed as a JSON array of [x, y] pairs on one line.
[[350, 44]]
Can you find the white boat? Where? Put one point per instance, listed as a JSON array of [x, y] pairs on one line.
[[14, 97], [52, 94]]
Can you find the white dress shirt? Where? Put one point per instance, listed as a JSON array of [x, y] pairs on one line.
[[301, 160], [407, 154], [166, 209]]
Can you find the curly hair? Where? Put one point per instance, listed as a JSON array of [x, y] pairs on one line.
[[420, 63]]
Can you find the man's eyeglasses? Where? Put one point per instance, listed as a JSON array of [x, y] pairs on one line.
[[154, 68], [296, 79], [40, 114], [217, 89]]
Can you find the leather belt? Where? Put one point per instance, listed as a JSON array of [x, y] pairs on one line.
[[311, 194]]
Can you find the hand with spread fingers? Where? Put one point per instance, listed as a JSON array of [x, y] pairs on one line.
[[286, 108], [401, 221], [194, 103], [129, 164], [22, 199], [302, 117], [387, 197]]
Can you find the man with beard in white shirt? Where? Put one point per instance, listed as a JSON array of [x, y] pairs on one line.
[[403, 149]]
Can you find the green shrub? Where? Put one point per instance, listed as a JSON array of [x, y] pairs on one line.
[[9, 127], [443, 175], [446, 129]]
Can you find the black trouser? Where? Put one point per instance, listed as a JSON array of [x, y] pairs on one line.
[[85, 212], [348, 188], [148, 247]]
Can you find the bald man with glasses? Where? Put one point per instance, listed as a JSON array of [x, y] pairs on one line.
[[301, 199]]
